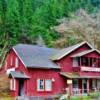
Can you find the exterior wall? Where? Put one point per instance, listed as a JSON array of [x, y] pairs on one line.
[[21, 67], [58, 86], [30, 85], [93, 54], [66, 62]]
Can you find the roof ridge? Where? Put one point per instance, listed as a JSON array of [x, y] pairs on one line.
[[68, 50]]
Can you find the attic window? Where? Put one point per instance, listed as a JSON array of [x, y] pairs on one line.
[[11, 61], [16, 62]]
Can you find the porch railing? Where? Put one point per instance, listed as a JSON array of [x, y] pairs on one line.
[[77, 91]]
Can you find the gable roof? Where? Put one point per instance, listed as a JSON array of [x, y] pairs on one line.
[[84, 53], [34, 56], [60, 54]]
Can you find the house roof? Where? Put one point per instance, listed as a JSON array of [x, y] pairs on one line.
[[60, 54], [76, 75], [84, 53], [34, 56], [15, 74]]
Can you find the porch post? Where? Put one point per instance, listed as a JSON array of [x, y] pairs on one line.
[[69, 82], [88, 86]]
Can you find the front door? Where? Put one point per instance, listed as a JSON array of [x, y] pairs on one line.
[[84, 86], [21, 87]]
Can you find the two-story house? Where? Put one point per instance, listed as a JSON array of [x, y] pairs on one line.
[[40, 71]]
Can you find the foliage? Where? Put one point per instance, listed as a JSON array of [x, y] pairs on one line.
[[23, 20]]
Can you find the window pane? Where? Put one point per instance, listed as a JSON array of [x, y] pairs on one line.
[[40, 85], [16, 62], [48, 85], [75, 62]]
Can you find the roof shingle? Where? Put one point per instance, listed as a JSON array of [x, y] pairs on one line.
[[35, 56]]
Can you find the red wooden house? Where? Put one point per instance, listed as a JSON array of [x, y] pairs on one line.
[[41, 71]]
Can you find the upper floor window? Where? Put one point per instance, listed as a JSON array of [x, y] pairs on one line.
[[44, 85], [75, 62], [11, 61], [16, 62]]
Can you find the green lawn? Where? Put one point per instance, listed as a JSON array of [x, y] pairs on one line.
[[91, 96]]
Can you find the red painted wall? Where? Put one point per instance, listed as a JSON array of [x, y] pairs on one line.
[[66, 62], [30, 85]]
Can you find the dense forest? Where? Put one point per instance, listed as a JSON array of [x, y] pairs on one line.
[[23, 21]]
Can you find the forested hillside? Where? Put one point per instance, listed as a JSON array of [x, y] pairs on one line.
[[22, 21]]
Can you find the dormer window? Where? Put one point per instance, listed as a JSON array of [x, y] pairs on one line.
[[16, 62]]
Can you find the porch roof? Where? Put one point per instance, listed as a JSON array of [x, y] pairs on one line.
[[15, 74], [76, 75]]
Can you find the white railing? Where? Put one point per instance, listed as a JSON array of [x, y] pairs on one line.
[[92, 69], [77, 91]]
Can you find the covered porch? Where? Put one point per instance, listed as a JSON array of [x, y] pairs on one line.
[[81, 85]]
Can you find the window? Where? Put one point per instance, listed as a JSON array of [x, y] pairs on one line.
[[11, 61], [40, 85], [16, 63], [12, 84], [48, 85], [44, 85], [75, 62]]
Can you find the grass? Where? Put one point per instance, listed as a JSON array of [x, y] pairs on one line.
[[80, 98], [6, 98], [91, 96]]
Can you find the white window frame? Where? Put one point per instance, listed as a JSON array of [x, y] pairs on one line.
[[16, 62], [48, 86]]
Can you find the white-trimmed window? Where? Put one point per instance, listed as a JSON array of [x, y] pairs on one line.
[[40, 85], [12, 84], [16, 62], [44, 85], [48, 85]]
